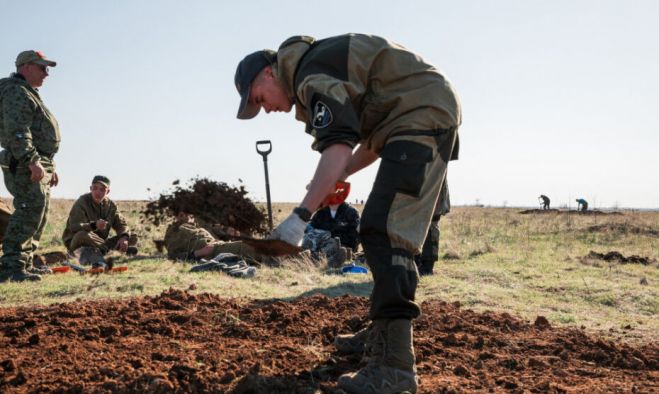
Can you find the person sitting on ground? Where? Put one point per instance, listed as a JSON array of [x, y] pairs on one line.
[[545, 201], [582, 205], [332, 233], [185, 240], [92, 217], [341, 220]]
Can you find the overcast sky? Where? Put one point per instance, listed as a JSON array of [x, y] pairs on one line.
[[559, 97]]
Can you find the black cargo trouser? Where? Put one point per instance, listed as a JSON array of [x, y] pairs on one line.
[[398, 213]]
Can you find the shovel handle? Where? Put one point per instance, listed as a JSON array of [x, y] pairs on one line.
[[264, 152]]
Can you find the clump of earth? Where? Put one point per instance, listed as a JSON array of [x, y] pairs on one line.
[[212, 203]]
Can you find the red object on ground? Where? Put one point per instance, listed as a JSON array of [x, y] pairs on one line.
[[61, 269]]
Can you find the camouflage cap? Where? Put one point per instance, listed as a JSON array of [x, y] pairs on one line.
[[102, 179], [246, 71], [33, 56]]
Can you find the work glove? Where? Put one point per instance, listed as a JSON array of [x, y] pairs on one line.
[[291, 230]]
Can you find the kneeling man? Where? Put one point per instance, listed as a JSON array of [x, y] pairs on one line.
[[92, 217]]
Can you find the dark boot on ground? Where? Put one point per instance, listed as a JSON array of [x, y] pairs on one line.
[[425, 267], [39, 270], [352, 343], [394, 371], [18, 276], [131, 251]]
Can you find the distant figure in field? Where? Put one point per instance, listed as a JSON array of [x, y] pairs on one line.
[[545, 201], [582, 205]]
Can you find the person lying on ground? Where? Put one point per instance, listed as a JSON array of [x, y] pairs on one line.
[[185, 240], [92, 217]]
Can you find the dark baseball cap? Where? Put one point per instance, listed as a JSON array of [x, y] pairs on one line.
[[101, 179], [247, 70]]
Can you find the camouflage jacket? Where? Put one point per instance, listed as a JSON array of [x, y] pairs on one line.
[[358, 88], [182, 239], [84, 214], [28, 130]]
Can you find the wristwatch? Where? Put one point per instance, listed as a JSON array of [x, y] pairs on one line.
[[303, 213]]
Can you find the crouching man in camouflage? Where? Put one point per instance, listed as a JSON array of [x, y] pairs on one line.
[[92, 217], [30, 137], [365, 92]]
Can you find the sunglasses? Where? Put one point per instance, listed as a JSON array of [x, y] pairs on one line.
[[41, 67]]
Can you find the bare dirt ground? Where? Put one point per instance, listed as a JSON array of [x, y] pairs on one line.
[[183, 342]]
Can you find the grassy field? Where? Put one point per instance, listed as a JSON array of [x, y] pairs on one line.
[[490, 259]]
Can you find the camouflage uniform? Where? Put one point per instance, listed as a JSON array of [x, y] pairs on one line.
[[28, 132], [183, 239], [81, 225], [5, 215]]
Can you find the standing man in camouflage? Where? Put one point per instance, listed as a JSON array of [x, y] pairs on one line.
[[369, 94], [30, 137]]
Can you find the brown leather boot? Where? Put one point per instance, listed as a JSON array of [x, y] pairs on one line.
[[394, 371]]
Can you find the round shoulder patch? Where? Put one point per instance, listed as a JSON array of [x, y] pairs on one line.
[[322, 116]]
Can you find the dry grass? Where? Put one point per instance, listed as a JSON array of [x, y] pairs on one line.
[[496, 259]]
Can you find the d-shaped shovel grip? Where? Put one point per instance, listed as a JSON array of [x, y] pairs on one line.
[[264, 152]]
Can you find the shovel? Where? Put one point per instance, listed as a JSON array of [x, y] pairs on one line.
[[271, 247], [265, 152], [267, 247]]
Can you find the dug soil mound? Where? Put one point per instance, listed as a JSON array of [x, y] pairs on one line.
[[595, 212], [617, 257], [623, 229], [592, 212], [539, 211], [180, 342]]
